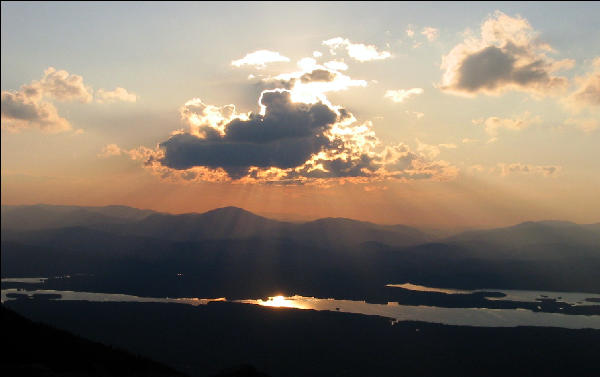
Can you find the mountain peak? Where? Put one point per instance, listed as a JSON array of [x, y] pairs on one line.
[[230, 210]]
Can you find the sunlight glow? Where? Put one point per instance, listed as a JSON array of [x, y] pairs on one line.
[[280, 302]]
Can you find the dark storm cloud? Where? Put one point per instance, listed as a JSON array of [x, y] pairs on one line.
[[285, 137], [16, 106], [507, 56], [493, 67]]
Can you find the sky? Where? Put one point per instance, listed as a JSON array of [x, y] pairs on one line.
[[439, 115]]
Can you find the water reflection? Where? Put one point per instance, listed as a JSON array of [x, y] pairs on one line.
[[392, 310], [277, 302], [449, 316], [24, 280], [571, 298], [14, 293]]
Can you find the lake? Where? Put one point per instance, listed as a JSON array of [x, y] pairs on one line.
[[396, 312]]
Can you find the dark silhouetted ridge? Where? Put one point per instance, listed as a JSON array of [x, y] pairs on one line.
[[34, 349]]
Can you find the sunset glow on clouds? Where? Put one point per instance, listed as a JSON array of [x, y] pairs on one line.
[[504, 98]]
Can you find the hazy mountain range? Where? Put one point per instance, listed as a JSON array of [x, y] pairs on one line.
[[230, 251]]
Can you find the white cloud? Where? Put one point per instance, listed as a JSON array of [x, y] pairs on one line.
[[336, 65], [119, 94], [431, 33], [505, 169], [587, 94], [259, 59], [401, 95], [61, 86], [357, 51], [448, 146], [432, 151], [110, 150], [516, 168], [493, 124], [313, 81]]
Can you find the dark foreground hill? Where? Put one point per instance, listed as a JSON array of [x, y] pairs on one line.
[[202, 340], [35, 349]]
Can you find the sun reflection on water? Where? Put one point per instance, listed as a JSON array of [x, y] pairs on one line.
[[280, 302]]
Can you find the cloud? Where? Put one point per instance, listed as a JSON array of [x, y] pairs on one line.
[[29, 107], [286, 142], [110, 150], [119, 94], [312, 82], [335, 65], [357, 51], [448, 146], [469, 141], [20, 111], [410, 32], [431, 33], [507, 55], [401, 95], [587, 94], [61, 86], [284, 137], [516, 168], [296, 136], [318, 75], [259, 59], [432, 151], [519, 168], [493, 124]]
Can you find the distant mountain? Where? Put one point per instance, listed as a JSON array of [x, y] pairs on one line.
[[43, 216], [221, 223], [332, 231], [236, 223], [529, 234], [146, 253]]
